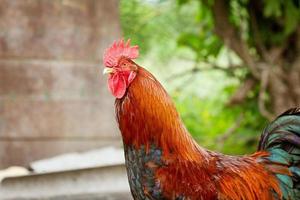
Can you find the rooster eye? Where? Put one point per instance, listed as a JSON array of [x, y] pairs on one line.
[[125, 65]]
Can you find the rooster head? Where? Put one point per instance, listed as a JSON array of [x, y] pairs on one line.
[[119, 66]]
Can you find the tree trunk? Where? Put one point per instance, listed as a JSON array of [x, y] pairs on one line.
[[275, 68], [284, 89]]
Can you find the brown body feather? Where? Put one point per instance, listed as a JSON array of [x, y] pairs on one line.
[[147, 117]]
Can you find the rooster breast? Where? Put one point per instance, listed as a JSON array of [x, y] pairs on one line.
[[141, 166]]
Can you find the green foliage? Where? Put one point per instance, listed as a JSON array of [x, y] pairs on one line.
[[175, 37], [273, 8], [181, 2], [276, 20], [201, 39], [288, 10], [292, 17], [209, 119], [155, 25]]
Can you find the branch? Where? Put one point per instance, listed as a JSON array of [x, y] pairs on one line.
[[182, 74], [230, 131], [298, 39], [256, 34], [186, 82], [209, 66], [262, 95], [241, 93], [230, 36], [296, 65]]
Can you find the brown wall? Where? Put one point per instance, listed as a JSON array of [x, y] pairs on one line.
[[53, 98]]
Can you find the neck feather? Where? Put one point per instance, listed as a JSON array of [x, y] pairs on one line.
[[147, 116]]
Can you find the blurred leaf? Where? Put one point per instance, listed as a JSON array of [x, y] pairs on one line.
[[181, 2], [273, 8], [292, 16], [190, 40]]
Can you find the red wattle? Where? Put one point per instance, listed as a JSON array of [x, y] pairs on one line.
[[117, 85]]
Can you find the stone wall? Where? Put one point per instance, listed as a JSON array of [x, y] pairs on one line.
[[53, 98]]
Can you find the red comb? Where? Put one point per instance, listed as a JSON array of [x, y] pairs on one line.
[[117, 50]]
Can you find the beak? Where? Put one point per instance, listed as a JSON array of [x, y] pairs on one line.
[[108, 70]]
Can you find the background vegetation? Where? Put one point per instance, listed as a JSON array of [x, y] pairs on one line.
[[230, 66]]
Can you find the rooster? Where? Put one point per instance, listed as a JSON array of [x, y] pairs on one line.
[[164, 162]]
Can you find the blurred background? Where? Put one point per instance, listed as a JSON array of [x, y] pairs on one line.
[[230, 66]]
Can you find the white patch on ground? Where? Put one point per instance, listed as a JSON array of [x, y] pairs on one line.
[[107, 156], [13, 171]]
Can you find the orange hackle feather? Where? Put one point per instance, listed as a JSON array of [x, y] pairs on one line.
[[247, 179], [147, 116]]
